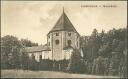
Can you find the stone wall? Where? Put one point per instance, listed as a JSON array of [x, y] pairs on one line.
[[63, 37]]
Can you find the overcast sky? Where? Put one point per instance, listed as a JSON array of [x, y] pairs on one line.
[[34, 19]]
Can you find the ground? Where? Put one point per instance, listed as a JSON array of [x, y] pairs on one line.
[[45, 74]]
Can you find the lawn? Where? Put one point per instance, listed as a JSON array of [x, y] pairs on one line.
[[45, 74]]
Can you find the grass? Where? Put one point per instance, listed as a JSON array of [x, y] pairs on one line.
[[45, 74]]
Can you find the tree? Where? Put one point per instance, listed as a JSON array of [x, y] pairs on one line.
[[105, 44], [98, 66], [28, 43], [10, 47], [101, 36], [75, 63], [25, 61], [84, 45], [105, 50], [94, 44]]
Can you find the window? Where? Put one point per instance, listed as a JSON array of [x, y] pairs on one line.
[[57, 34], [69, 42], [57, 42], [69, 34], [40, 57]]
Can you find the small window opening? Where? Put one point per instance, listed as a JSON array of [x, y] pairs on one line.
[[69, 34], [57, 42], [69, 42], [57, 34]]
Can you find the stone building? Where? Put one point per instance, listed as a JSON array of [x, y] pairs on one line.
[[60, 40]]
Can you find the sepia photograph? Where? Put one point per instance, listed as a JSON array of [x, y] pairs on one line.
[[64, 39]]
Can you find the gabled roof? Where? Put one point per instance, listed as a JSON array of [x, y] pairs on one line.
[[36, 49], [63, 24]]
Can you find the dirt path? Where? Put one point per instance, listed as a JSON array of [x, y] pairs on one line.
[[45, 74]]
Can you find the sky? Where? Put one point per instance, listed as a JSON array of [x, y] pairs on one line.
[[34, 19]]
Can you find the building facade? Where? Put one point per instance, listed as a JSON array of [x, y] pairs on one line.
[[59, 39]]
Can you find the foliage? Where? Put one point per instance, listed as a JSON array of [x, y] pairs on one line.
[[25, 61], [105, 53], [11, 51], [28, 43], [75, 63], [110, 46]]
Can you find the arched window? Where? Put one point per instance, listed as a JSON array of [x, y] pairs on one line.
[[57, 42], [69, 42]]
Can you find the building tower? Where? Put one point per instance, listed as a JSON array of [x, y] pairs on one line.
[[62, 35]]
